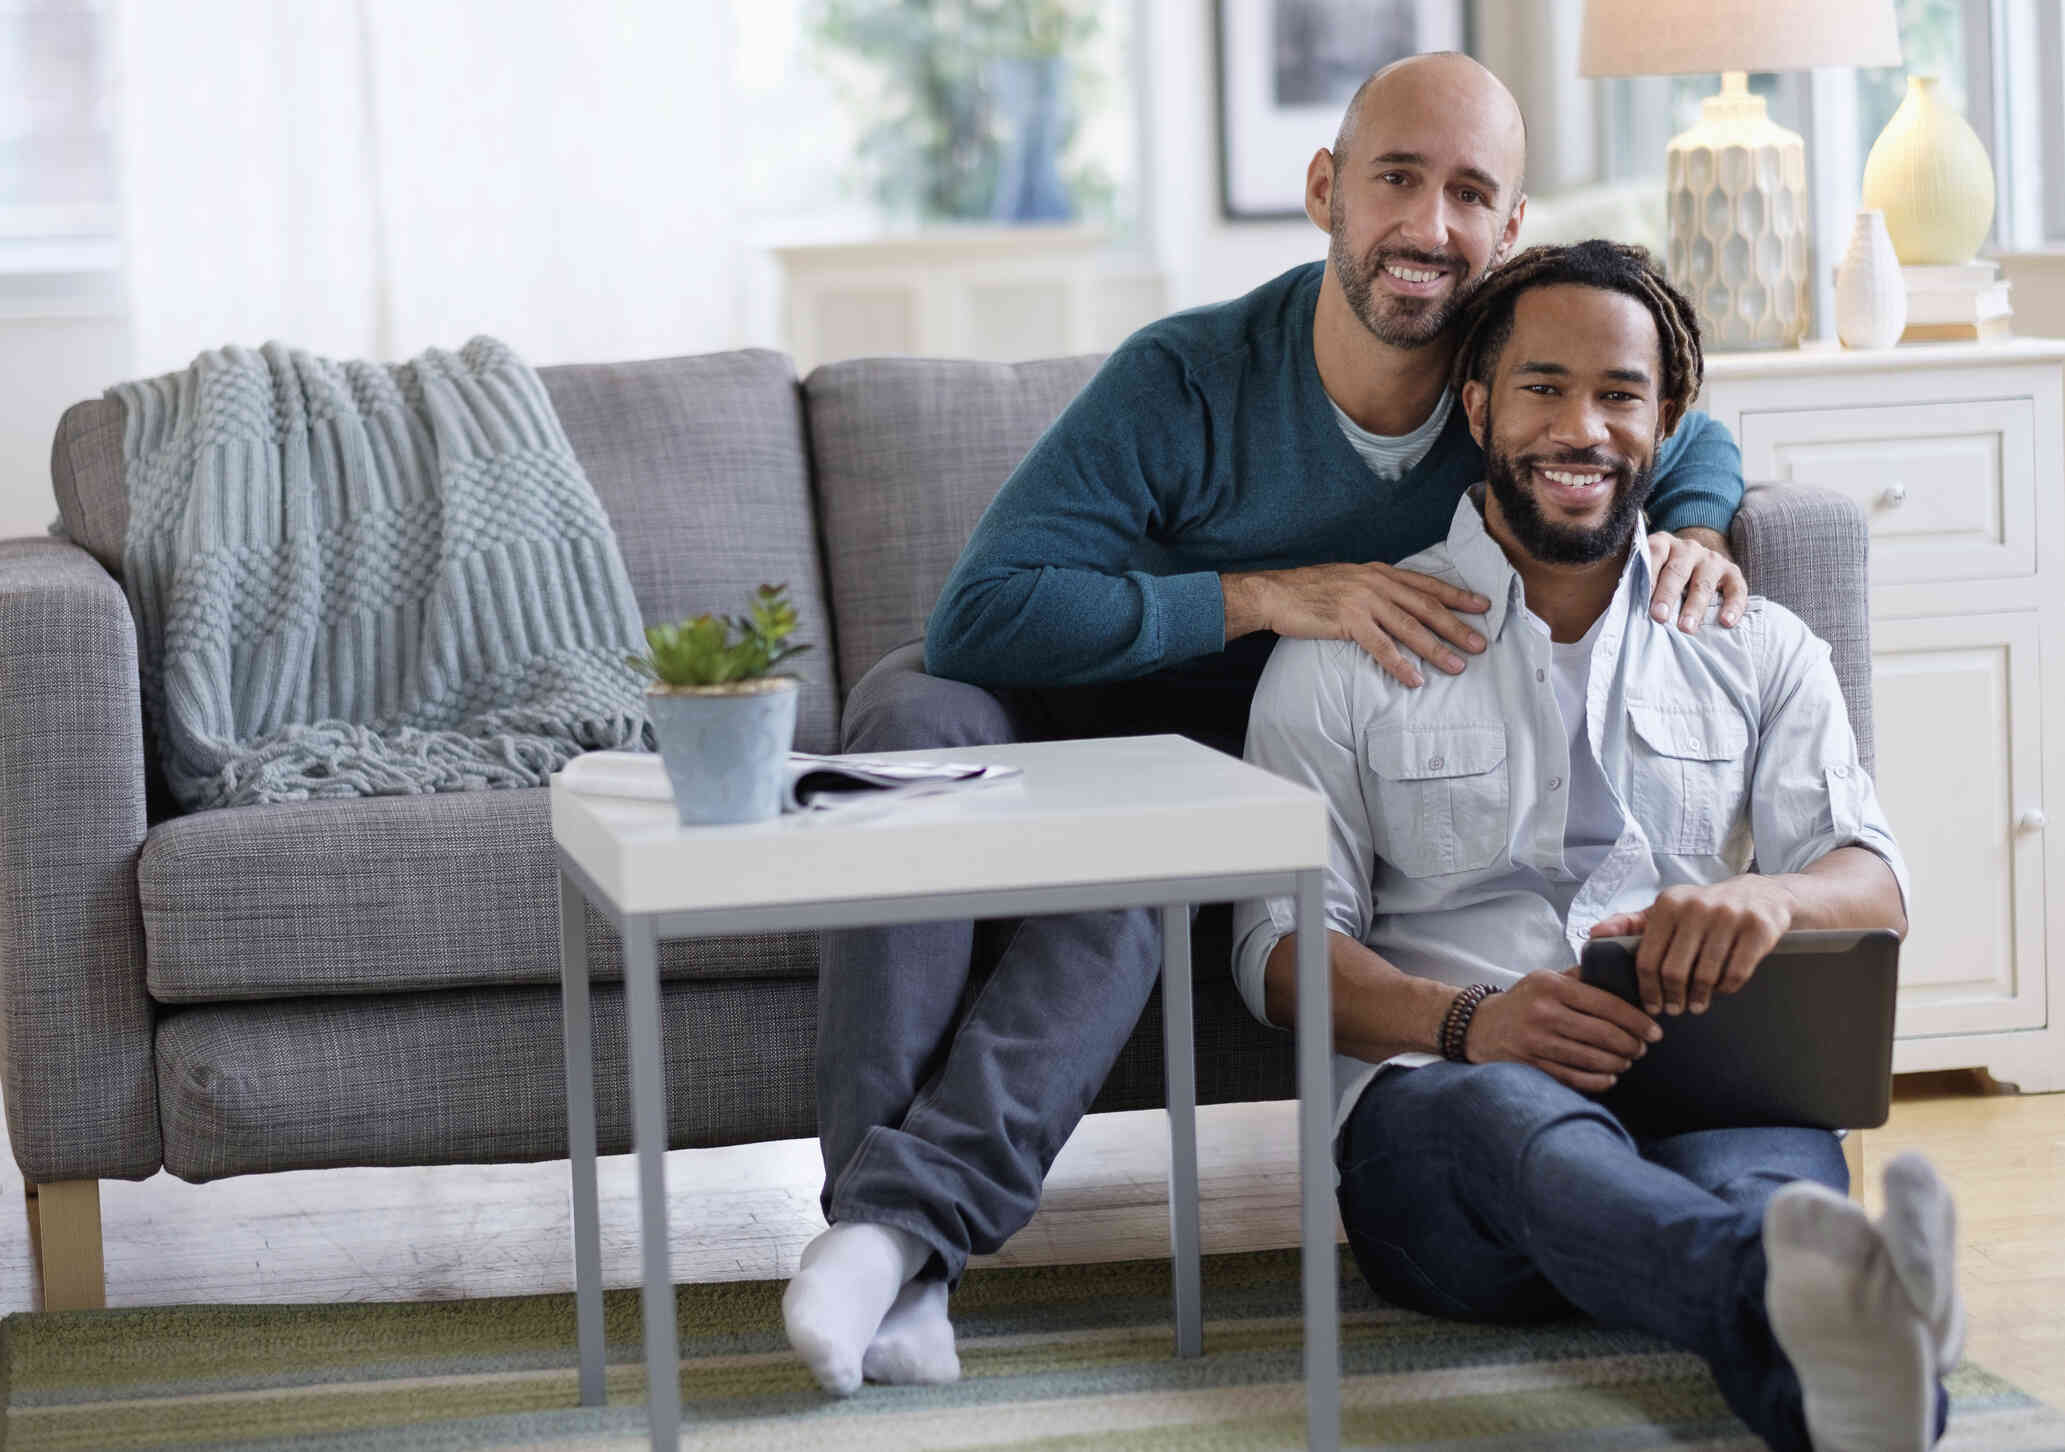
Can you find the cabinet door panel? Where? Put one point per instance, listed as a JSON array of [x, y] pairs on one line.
[[1948, 490], [1955, 704]]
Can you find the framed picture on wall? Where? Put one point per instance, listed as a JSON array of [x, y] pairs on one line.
[[1286, 70]]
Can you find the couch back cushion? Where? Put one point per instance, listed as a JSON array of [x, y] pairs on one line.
[[908, 453], [699, 461], [702, 465]]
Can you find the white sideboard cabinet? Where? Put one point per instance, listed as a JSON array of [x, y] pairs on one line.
[[1956, 454]]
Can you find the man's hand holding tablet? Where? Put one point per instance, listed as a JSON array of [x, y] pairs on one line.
[[1699, 941]]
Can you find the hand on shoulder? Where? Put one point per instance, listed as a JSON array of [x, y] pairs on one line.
[[1398, 617], [1692, 568]]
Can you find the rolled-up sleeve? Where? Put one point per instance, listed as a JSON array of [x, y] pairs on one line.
[[1810, 793], [1302, 728]]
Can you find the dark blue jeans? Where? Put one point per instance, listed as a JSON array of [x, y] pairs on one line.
[[1492, 1192]]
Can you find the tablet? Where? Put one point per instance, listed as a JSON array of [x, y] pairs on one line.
[[1808, 1040]]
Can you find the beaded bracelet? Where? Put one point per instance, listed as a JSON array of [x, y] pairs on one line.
[[1455, 1025]]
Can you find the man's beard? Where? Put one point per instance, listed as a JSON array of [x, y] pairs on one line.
[[1401, 322], [1562, 544]]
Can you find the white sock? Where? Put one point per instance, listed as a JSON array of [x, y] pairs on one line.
[[1863, 1353], [915, 1346], [1919, 1226], [848, 1280]]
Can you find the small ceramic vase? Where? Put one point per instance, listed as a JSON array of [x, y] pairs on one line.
[[1871, 297]]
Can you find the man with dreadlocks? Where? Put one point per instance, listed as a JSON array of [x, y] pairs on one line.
[[1596, 773], [1231, 474]]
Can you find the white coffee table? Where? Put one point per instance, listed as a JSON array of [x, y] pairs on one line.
[[1150, 821]]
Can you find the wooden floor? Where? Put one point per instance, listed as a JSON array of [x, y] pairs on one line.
[[742, 1213]]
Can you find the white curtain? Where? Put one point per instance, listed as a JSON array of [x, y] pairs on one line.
[[371, 177]]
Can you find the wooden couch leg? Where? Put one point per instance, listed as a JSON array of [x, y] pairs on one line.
[[68, 1232], [1853, 1156]]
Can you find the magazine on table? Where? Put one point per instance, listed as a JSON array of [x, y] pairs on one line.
[[818, 785]]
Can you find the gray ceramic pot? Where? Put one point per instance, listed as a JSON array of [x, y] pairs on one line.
[[724, 746]]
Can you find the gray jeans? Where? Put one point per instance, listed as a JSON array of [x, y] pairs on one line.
[[955, 1059]]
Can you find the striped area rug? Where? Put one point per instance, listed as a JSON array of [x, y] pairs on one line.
[[1052, 1357]]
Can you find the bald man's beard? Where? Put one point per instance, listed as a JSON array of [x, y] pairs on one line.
[[1401, 322]]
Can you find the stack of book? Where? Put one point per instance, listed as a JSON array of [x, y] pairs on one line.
[[1965, 301]]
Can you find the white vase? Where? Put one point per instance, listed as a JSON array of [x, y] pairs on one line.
[[1871, 297]]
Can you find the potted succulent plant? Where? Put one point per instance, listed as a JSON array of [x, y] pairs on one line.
[[725, 723]]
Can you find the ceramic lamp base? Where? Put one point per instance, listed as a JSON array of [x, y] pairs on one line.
[[1739, 222]]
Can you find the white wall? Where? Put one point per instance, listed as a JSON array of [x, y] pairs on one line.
[[1204, 257], [375, 179], [47, 363], [1534, 49], [2038, 279]]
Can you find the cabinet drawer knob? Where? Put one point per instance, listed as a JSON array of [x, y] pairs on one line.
[[1893, 496], [2032, 820]]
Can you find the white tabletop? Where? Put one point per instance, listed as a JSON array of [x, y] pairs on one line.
[[1109, 810]]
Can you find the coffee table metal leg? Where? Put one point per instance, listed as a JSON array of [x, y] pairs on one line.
[[580, 1138], [1179, 1058], [649, 1131], [1316, 1171]]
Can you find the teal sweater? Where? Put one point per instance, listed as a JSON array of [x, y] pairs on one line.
[[1205, 445]]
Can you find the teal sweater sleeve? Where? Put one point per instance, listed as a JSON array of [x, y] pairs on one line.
[[1047, 591], [1698, 477]]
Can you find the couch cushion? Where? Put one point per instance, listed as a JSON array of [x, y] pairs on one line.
[[449, 890], [908, 453], [468, 1078], [86, 475], [479, 1076], [702, 466]]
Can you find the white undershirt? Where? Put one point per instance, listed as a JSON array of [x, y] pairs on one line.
[[1593, 823], [1390, 456]]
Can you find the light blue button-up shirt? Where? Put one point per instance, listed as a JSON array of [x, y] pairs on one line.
[[1447, 804]]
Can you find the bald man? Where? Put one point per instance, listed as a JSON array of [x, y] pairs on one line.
[[1232, 474]]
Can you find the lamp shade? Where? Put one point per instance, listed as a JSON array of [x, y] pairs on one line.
[[1676, 37]]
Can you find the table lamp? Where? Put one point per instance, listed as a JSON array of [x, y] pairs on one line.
[[1739, 214]]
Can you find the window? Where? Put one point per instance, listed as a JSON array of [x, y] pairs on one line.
[[2050, 79], [57, 172]]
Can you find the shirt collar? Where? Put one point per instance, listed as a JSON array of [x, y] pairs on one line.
[[1482, 563]]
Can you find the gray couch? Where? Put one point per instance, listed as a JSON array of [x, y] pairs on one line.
[[374, 982]]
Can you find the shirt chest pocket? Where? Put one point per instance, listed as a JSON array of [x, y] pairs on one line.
[[1439, 796], [1688, 775]]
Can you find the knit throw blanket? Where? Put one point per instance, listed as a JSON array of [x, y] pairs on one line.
[[356, 579]]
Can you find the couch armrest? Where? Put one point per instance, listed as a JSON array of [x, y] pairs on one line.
[[1807, 548], [75, 1017]]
